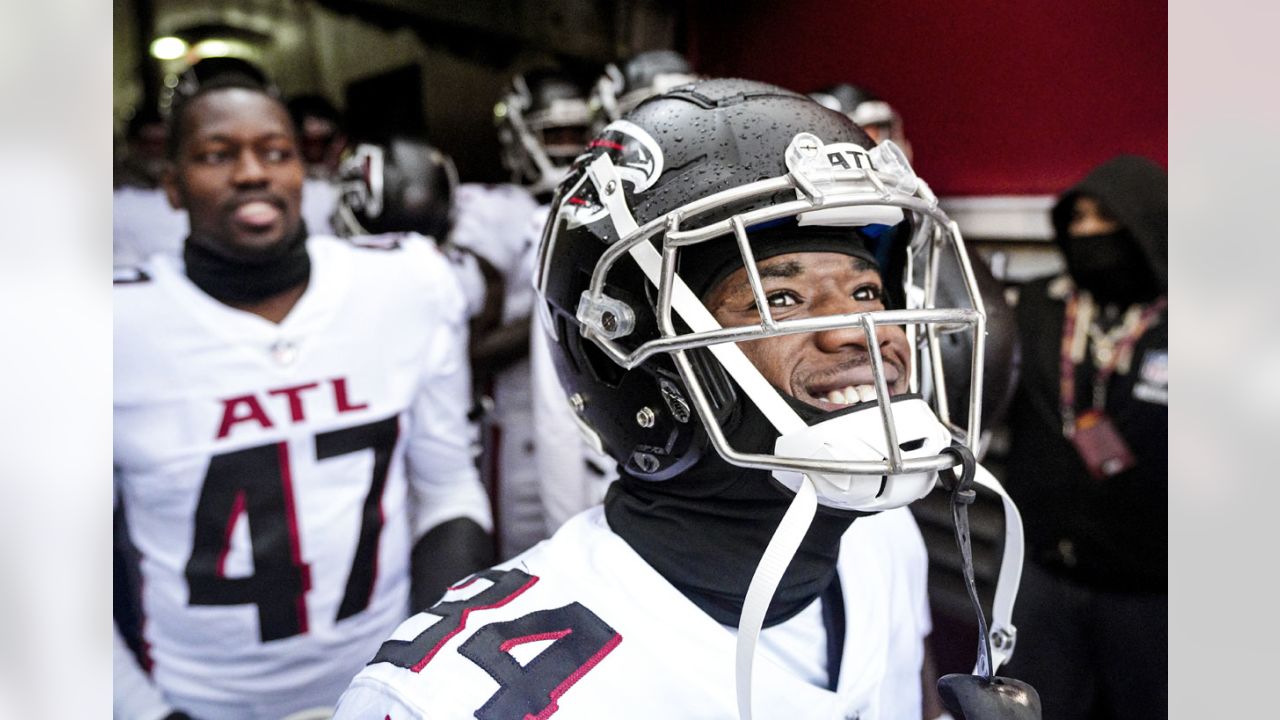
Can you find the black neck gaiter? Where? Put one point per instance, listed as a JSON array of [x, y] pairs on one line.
[[237, 282], [706, 531]]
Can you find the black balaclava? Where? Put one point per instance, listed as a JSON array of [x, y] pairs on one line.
[[706, 529], [1112, 267], [237, 282]]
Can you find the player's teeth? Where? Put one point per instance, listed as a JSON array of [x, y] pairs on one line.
[[866, 393], [836, 396]]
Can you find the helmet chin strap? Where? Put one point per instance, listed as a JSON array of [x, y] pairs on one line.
[[800, 514], [777, 556], [1003, 634], [981, 695]]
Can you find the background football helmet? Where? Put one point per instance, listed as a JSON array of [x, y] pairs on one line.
[[623, 86], [673, 184], [876, 116], [404, 185], [543, 124]]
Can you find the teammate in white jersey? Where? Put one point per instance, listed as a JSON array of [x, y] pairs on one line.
[[729, 280], [542, 125], [492, 226], [573, 470], [290, 442], [406, 186]]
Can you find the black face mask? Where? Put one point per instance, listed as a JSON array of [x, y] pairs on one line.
[[1112, 267], [236, 282]]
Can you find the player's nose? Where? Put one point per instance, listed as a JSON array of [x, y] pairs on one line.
[[855, 338], [249, 169], [852, 335]]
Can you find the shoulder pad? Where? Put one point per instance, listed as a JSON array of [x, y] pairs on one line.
[[128, 275]]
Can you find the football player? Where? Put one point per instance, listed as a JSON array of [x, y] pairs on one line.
[[321, 138], [737, 290], [142, 222], [405, 186], [573, 471], [290, 445], [875, 115], [640, 77], [542, 124]]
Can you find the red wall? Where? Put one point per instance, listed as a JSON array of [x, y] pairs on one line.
[[997, 97]]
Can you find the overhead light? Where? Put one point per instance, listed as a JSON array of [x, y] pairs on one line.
[[213, 48], [168, 48]]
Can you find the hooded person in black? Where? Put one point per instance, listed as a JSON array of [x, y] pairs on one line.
[[1088, 462]]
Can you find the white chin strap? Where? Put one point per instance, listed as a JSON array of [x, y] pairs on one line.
[[799, 516], [786, 541], [1003, 634]]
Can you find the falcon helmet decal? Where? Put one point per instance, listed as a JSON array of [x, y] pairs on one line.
[[636, 155]]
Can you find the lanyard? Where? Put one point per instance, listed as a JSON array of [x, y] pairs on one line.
[[1112, 350]]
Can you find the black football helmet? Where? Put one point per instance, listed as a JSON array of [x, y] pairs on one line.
[[622, 87], [660, 196], [543, 124], [403, 185]]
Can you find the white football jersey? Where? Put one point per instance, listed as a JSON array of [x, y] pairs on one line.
[[143, 224], [466, 270], [470, 278], [581, 627], [319, 201], [492, 221], [502, 224], [274, 475]]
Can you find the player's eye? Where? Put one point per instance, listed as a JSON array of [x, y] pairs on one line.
[[869, 292], [277, 155], [213, 157], [782, 298]]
